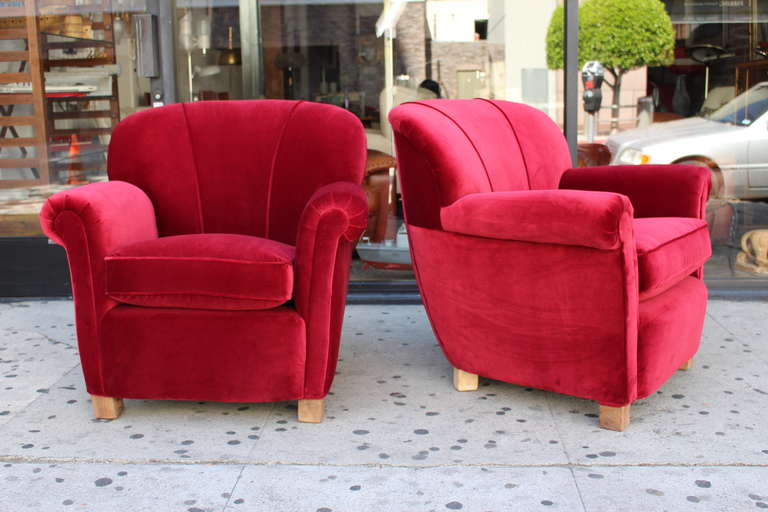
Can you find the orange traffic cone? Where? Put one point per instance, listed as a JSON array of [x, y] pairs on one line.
[[74, 168]]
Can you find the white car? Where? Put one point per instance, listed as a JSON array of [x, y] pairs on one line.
[[732, 141]]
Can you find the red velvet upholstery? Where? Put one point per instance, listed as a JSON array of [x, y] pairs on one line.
[[669, 332], [566, 217], [214, 264], [668, 249], [563, 290], [223, 356], [209, 271], [684, 193]]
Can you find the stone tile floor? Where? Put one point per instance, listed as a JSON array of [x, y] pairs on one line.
[[396, 437]]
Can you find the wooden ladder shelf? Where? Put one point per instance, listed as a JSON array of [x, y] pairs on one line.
[[30, 71]]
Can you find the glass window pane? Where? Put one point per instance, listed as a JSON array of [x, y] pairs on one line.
[[65, 81], [71, 70], [709, 109]]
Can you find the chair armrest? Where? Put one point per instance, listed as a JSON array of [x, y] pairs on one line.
[[655, 190], [90, 222], [331, 223], [565, 217], [112, 214]]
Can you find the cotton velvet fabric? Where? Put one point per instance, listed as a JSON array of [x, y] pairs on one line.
[[580, 281], [206, 271], [214, 263]]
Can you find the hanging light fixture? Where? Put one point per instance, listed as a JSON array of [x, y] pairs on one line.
[[118, 27], [204, 31], [204, 34], [230, 56]]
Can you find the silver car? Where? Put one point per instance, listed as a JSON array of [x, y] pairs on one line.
[[732, 141]]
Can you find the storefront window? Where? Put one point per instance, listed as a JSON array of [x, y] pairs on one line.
[[100, 61], [71, 69], [370, 56], [61, 93], [710, 110], [209, 64]]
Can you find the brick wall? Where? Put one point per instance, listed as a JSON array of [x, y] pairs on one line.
[[418, 56], [351, 28]]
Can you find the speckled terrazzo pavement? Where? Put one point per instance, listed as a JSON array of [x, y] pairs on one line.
[[396, 436]]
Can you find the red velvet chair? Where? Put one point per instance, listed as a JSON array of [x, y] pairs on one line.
[[581, 281], [214, 264]]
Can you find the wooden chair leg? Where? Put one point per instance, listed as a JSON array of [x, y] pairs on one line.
[[311, 411], [106, 408], [614, 418], [465, 381], [687, 365]]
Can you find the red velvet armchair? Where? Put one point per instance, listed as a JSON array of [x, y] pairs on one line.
[[580, 281], [214, 263]]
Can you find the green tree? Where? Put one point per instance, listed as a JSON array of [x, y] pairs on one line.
[[620, 34]]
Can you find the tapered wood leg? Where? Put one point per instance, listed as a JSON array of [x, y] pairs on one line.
[[687, 365], [464, 381], [106, 408], [614, 418], [311, 411]]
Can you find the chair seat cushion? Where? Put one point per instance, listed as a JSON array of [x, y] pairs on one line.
[[207, 271], [668, 249]]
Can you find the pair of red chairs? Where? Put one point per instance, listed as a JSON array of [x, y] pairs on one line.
[[214, 264]]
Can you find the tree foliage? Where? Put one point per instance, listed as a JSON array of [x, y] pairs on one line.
[[556, 39], [620, 34]]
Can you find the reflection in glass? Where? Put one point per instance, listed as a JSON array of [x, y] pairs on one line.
[[745, 108], [62, 93], [718, 84]]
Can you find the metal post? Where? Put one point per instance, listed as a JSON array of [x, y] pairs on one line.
[[571, 86], [389, 80], [250, 49], [164, 12], [590, 127]]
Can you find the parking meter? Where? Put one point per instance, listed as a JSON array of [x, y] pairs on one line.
[[592, 77]]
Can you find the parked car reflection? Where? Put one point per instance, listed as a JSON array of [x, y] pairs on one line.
[[732, 141]]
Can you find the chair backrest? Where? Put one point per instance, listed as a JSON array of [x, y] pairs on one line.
[[242, 167], [400, 95], [447, 149]]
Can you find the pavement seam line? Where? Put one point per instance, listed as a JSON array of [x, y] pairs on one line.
[[39, 396], [737, 337], [578, 489], [242, 469], [557, 429], [176, 462]]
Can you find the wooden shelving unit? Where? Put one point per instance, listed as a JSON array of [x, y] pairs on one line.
[[29, 71], [58, 151], [37, 125], [77, 152]]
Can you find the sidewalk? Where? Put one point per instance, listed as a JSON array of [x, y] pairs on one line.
[[396, 437]]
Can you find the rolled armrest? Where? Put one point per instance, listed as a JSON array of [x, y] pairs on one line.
[[111, 214], [90, 222], [332, 221], [567, 217], [340, 208], [655, 190]]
